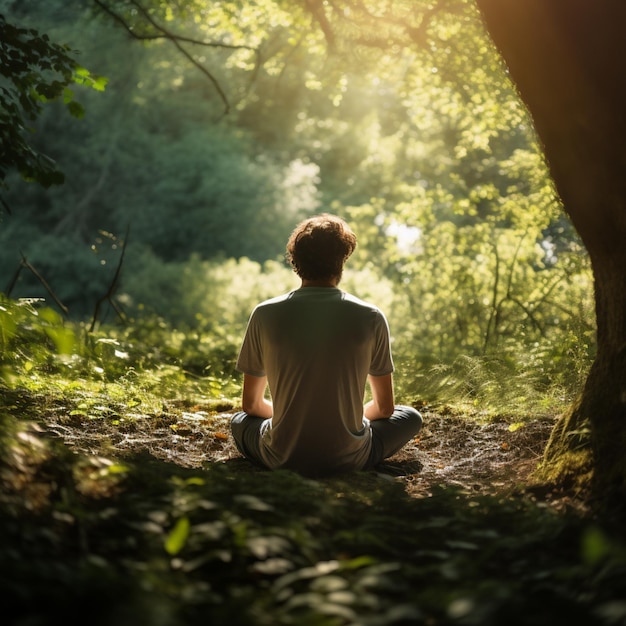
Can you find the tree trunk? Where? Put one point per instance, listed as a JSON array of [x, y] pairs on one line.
[[567, 59]]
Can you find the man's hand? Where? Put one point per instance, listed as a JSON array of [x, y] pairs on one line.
[[382, 404], [253, 400]]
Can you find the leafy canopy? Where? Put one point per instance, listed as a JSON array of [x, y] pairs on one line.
[[34, 71]]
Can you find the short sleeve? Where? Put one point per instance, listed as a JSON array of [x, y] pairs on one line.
[[382, 362], [250, 359]]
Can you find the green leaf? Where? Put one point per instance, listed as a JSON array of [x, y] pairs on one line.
[[595, 546], [63, 338], [100, 82], [51, 316], [79, 70], [358, 562], [177, 538], [516, 426], [76, 109]]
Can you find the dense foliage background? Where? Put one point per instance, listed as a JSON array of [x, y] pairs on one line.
[[191, 137], [425, 150]]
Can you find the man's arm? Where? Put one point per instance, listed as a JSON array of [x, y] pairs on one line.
[[253, 400], [382, 404]]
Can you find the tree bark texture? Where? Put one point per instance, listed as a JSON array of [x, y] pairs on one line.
[[567, 59]]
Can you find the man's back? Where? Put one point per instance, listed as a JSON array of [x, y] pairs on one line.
[[316, 345]]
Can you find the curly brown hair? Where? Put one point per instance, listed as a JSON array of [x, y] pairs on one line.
[[319, 246]]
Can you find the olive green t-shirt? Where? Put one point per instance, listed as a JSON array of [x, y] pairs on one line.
[[316, 345]]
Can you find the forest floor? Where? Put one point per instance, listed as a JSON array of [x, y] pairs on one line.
[[487, 457], [158, 520]]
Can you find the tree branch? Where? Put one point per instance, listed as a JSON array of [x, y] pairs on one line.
[[46, 286], [371, 21], [177, 40], [509, 283], [112, 287], [316, 8], [494, 300]]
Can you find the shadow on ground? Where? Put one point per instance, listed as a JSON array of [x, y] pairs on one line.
[[132, 538]]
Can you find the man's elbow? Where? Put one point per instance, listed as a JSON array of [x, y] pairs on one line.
[[386, 410], [251, 407], [383, 411]]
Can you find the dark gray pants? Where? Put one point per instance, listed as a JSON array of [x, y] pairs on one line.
[[388, 435]]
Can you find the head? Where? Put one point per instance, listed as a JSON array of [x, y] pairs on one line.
[[319, 247]]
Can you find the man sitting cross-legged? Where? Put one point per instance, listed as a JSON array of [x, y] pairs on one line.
[[316, 347]]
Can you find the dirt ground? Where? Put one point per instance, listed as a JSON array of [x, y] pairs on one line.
[[484, 458]]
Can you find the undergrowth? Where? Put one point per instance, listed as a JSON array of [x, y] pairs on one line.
[[147, 360], [134, 539], [108, 535]]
